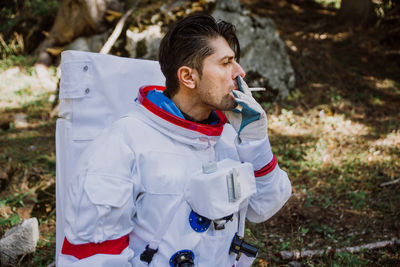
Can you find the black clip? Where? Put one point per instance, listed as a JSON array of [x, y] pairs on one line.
[[220, 223], [147, 255]]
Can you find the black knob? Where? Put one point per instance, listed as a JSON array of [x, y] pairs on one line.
[[183, 258], [238, 245]]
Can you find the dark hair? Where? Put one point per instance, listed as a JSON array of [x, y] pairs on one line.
[[187, 44]]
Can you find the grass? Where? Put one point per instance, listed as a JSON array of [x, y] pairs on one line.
[[338, 137], [336, 165], [330, 3], [27, 158]]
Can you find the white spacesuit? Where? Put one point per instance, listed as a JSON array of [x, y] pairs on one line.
[[155, 189]]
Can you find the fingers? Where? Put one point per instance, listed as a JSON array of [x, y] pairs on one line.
[[243, 87], [242, 97], [238, 94], [240, 83]]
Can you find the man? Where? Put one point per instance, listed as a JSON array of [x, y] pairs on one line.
[[171, 183]]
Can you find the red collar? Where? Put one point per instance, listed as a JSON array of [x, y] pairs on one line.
[[210, 130]]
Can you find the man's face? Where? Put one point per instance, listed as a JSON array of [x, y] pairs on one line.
[[218, 78]]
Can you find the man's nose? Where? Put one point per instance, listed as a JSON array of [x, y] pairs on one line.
[[238, 71]]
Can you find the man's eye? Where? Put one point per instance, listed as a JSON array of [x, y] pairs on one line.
[[227, 63]]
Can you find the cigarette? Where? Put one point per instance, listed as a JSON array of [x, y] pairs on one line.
[[257, 89]]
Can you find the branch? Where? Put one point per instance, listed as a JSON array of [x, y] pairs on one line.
[[297, 255], [390, 182], [115, 34]]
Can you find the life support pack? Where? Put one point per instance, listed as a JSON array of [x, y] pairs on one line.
[[221, 188]]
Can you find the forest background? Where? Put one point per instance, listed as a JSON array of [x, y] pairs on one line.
[[336, 134]]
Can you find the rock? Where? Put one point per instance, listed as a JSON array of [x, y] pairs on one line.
[[80, 44], [43, 73], [20, 120], [228, 5], [19, 240], [169, 6], [91, 44], [144, 44], [263, 53]]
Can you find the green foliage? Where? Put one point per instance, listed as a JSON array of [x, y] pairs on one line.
[[14, 12], [46, 253], [384, 7], [330, 3], [11, 48], [15, 201], [22, 24], [358, 199], [286, 245], [10, 221], [348, 259], [295, 95], [12, 60], [42, 7], [323, 229]]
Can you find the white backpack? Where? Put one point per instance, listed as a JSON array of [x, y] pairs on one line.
[[95, 90]]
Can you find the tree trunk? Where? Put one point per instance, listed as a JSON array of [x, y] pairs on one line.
[[356, 12], [75, 18]]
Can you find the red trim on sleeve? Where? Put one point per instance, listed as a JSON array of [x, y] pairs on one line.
[[113, 247], [210, 130], [267, 168]]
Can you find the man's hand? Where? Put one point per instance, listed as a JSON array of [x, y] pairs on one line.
[[248, 118]]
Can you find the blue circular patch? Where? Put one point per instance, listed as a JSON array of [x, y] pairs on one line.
[[180, 253], [198, 223]]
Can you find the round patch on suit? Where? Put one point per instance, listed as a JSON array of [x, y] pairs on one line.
[[182, 258], [198, 223]]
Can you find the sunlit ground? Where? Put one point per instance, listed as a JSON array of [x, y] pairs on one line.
[[27, 154]]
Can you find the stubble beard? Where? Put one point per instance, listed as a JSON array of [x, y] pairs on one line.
[[227, 103]]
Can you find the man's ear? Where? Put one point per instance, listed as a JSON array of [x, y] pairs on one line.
[[187, 76]]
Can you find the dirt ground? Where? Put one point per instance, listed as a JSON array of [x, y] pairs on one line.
[[336, 62]]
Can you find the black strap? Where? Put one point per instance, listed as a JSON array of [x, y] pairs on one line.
[[148, 254]]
